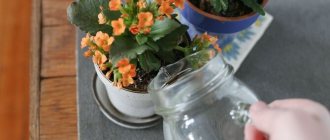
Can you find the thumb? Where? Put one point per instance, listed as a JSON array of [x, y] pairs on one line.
[[263, 117]]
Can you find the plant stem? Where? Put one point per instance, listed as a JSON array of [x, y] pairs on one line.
[[184, 50]]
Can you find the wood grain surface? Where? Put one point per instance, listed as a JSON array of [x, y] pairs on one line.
[[14, 69], [55, 95], [58, 51], [58, 109], [35, 69]]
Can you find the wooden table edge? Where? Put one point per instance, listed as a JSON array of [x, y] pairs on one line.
[[35, 70]]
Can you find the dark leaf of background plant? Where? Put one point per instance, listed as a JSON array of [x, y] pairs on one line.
[[254, 5]]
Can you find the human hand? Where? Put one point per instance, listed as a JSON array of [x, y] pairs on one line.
[[290, 119]]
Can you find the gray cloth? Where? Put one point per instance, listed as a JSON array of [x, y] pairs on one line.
[[291, 60]]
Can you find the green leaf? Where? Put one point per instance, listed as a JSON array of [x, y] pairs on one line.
[[172, 39], [111, 15], [167, 56], [148, 61], [83, 14], [153, 45], [255, 6], [162, 28], [224, 4], [125, 47], [219, 5], [141, 39]]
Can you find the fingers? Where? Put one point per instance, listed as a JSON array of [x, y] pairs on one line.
[[301, 105], [263, 117], [251, 133], [283, 116]]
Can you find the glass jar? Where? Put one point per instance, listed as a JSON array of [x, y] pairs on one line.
[[200, 99]]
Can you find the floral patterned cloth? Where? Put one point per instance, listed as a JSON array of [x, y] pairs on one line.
[[235, 47]]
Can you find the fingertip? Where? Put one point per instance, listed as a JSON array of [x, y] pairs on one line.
[[251, 133], [258, 106], [248, 132], [262, 117]]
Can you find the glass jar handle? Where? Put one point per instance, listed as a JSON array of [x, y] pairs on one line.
[[240, 113]]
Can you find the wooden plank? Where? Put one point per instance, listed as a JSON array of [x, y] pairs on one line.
[[35, 70], [58, 51], [58, 115], [54, 12], [14, 69]]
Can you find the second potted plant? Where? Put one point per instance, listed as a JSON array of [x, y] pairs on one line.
[[223, 16]]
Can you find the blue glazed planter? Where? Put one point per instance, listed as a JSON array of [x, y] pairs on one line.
[[204, 21]]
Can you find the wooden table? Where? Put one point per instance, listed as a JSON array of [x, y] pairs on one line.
[[53, 112]]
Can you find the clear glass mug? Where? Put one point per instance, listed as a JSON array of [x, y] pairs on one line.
[[200, 99]]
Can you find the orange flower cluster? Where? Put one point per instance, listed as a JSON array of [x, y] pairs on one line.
[[212, 39], [141, 4], [179, 3], [145, 21], [166, 8], [118, 26], [99, 41], [85, 41], [102, 18], [115, 5], [127, 71], [99, 58], [134, 29], [103, 40]]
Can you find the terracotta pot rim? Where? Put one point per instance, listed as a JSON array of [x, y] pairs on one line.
[[222, 18]]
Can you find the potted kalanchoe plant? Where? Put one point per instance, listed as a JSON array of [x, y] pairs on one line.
[[223, 16], [129, 42]]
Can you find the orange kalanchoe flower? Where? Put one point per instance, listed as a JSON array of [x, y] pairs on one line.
[[127, 70], [103, 40], [134, 29], [217, 47], [146, 30], [115, 5], [179, 3], [118, 26], [124, 16], [102, 19], [159, 2], [103, 67], [141, 4], [88, 53], [108, 44], [93, 47], [146, 19], [165, 8], [85, 41], [127, 80], [99, 58], [160, 18], [211, 39]]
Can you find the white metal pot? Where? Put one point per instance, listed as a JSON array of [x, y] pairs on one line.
[[127, 102]]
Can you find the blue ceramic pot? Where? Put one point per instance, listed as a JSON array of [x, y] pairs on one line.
[[204, 21]]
